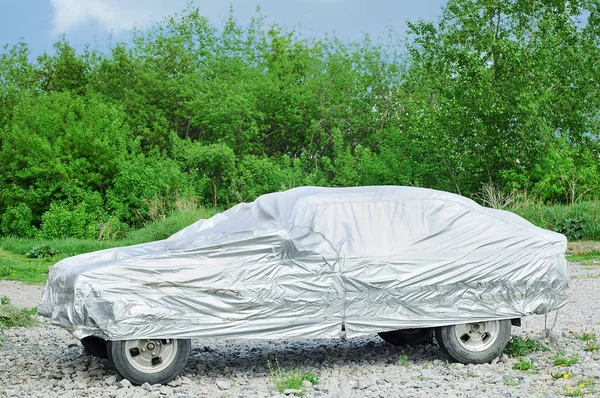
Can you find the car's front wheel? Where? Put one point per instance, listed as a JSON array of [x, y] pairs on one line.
[[155, 361], [477, 342]]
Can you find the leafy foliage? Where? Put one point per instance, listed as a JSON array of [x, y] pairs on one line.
[[523, 365], [518, 346], [571, 227], [284, 380], [42, 251], [494, 99]]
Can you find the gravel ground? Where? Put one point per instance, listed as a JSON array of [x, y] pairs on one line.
[[47, 362]]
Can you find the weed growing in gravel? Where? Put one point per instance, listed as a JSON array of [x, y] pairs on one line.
[[559, 375], [11, 316], [561, 360], [523, 365], [284, 380], [574, 392], [591, 347], [518, 346], [510, 382], [588, 336], [591, 340], [403, 359]]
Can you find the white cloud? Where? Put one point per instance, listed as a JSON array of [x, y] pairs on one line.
[[113, 15]]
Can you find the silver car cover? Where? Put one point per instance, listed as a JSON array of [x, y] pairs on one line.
[[306, 261]]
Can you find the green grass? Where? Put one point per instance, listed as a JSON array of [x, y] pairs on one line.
[[14, 265], [284, 380], [523, 365], [518, 346], [17, 267], [561, 360], [586, 258]]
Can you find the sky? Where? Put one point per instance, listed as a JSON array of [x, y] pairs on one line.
[[40, 23]]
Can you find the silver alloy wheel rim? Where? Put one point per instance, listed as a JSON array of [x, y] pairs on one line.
[[477, 336], [150, 355]]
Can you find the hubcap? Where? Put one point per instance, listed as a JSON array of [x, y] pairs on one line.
[[150, 356], [477, 336]]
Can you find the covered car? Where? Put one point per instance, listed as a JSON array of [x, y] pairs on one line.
[[315, 263]]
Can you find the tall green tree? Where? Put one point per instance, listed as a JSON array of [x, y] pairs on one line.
[[498, 81]]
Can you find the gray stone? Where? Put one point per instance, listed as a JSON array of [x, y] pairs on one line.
[[363, 384], [176, 382], [125, 383], [68, 370], [222, 385], [306, 384], [110, 380], [146, 386]]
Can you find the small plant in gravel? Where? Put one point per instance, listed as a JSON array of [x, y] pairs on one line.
[[518, 346], [574, 392], [523, 365], [286, 380], [588, 336], [560, 375], [591, 347], [403, 359], [11, 316], [561, 360]]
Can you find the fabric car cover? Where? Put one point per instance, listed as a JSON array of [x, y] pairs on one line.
[[306, 261]]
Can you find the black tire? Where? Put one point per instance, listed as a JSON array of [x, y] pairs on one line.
[[477, 342], [408, 336], [155, 361], [95, 346]]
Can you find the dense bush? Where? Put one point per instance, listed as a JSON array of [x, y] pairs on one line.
[[94, 144]]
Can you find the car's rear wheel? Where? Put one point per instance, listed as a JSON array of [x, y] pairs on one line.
[[95, 346], [408, 336], [477, 342], [155, 361]]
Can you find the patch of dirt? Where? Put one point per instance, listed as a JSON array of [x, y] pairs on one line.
[[21, 294]]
